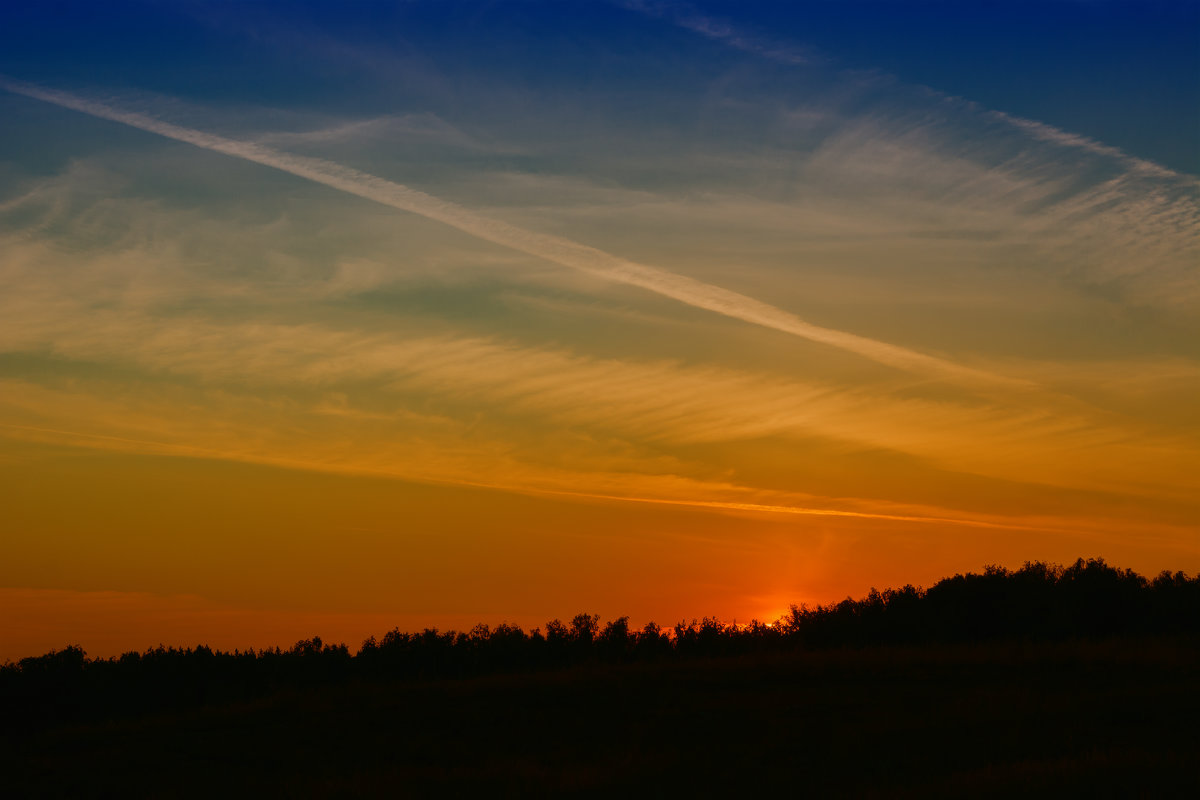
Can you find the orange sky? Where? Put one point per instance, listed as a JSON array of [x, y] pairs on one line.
[[181, 551]]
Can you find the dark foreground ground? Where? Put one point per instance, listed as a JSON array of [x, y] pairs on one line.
[[1114, 718]]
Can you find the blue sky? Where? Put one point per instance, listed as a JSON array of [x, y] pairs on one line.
[[1125, 73]]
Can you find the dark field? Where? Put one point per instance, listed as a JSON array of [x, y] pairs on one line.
[[1113, 718]]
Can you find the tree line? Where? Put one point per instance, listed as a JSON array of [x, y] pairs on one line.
[[1038, 602]]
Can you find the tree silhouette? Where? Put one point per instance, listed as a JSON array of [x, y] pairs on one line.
[[1038, 602]]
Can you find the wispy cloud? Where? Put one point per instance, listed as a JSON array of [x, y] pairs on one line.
[[647, 401], [135, 305], [687, 16], [551, 248], [426, 128], [232, 429], [1103, 218], [1048, 133]]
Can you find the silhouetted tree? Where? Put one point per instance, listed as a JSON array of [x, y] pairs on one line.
[[1039, 601]]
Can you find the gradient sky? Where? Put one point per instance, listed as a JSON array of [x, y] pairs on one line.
[[328, 318]]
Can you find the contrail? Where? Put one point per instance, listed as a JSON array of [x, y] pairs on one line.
[[556, 249]]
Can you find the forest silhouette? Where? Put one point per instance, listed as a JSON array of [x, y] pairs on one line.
[[1038, 602], [1105, 659]]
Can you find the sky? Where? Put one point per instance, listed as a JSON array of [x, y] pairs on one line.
[[324, 319]]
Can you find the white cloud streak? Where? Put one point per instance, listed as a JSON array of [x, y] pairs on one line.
[[690, 18], [1048, 133], [555, 249]]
